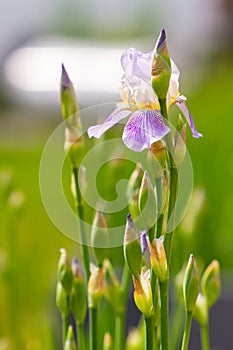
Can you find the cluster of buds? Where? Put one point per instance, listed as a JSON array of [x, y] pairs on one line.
[[70, 294]]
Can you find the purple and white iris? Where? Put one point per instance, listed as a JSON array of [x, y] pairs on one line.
[[140, 103]]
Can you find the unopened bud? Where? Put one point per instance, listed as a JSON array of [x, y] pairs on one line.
[[108, 344], [161, 67], [135, 180], [78, 300], [112, 288], [210, 283], [70, 340], [64, 273], [147, 201], [68, 99], [133, 204], [143, 293], [132, 247], [157, 156], [100, 238], [201, 310], [158, 258], [191, 284], [61, 299], [95, 286]]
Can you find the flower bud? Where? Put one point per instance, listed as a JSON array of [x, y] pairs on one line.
[[73, 132], [132, 247], [135, 180], [158, 258], [133, 204], [210, 283], [201, 310], [161, 67], [61, 299], [64, 273], [112, 288], [143, 293], [78, 300], [147, 201], [108, 345], [190, 284], [100, 238], [95, 286], [70, 343], [157, 156]]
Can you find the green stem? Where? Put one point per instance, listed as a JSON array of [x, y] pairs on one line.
[[80, 211], [155, 295], [65, 326], [205, 343], [187, 329], [80, 336], [126, 275], [164, 315], [93, 329], [177, 325], [120, 331], [149, 332]]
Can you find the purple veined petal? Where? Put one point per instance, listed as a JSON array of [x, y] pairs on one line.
[[144, 128], [117, 115], [180, 102]]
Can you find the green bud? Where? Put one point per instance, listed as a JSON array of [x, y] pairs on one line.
[[135, 180], [190, 284], [95, 286], [74, 144], [201, 310], [69, 104], [78, 301], [157, 157], [133, 204], [100, 238], [132, 247], [143, 293], [147, 201], [70, 340], [112, 288], [108, 345], [61, 299], [210, 283], [161, 67], [158, 258], [64, 273]]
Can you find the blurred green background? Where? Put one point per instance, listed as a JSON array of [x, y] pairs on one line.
[[200, 36]]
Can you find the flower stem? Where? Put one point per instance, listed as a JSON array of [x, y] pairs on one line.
[[205, 344], [80, 336], [177, 325], [93, 329], [65, 326], [120, 330], [80, 211], [149, 332], [164, 315], [187, 329]]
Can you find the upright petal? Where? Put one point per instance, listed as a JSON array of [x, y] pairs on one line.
[[117, 115], [136, 63], [180, 102], [143, 128]]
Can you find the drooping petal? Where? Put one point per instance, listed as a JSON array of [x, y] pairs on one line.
[[180, 102], [117, 115], [143, 128]]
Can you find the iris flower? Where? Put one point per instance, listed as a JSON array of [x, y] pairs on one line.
[[140, 103]]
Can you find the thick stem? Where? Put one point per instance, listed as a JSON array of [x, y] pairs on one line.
[[155, 295], [205, 343], [80, 336], [80, 211], [149, 332], [177, 325], [164, 315], [187, 329], [120, 331], [93, 328]]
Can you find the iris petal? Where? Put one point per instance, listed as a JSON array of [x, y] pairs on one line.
[[180, 102], [143, 128], [117, 115]]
